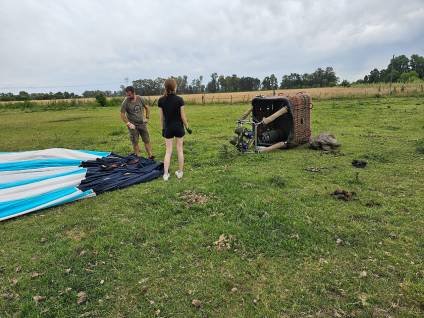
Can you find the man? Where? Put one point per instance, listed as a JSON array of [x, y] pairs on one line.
[[132, 114]]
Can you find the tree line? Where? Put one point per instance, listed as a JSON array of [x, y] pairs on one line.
[[223, 84], [25, 96], [217, 84], [400, 69]]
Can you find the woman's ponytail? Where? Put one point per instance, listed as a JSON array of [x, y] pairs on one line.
[[170, 86]]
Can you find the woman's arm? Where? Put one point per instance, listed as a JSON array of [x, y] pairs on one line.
[[184, 117], [161, 118]]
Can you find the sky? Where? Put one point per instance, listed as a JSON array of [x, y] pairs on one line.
[[79, 45]]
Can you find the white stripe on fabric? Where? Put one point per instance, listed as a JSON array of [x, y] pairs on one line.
[[20, 175], [37, 188], [53, 153]]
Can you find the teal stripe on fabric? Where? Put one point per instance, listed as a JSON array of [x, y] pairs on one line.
[[10, 208], [96, 153], [23, 182], [36, 164]]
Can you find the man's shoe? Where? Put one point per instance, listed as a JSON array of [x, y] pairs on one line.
[[166, 177], [152, 157], [179, 174]]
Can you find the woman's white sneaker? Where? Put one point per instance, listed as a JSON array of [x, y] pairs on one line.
[[166, 177], [179, 174]]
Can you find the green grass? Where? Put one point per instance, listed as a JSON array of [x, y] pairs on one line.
[[292, 249]]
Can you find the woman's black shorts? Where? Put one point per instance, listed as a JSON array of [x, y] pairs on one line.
[[174, 131]]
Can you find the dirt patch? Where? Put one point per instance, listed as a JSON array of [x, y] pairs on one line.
[[192, 198], [68, 119], [343, 195], [223, 242], [372, 204], [75, 235], [357, 163]]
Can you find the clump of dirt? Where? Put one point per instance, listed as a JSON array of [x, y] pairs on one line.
[[223, 242], [68, 119], [325, 142], [420, 146], [192, 198], [372, 204], [359, 163], [343, 195]]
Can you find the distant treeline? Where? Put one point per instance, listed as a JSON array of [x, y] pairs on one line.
[[222, 84], [24, 96], [217, 84], [400, 69]]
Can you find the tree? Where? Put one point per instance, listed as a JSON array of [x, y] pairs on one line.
[[374, 76], [234, 83], [330, 78], [101, 99], [345, 83], [417, 64], [181, 83], [400, 64], [266, 84], [212, 86], [249, 84], [222, 83], [273, 82], [23, 96]]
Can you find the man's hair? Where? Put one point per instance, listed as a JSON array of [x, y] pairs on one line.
[[170, 86], [129, 89]]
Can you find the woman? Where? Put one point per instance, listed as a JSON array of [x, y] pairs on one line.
[[172, 120]]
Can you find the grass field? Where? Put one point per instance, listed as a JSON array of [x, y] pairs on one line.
[[289, 248]]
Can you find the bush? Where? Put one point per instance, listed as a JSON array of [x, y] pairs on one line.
[[345, 83], [101, 99], [409, 77]]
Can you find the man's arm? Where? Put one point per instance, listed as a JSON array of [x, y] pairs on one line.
[[147, 109], [126, 121]]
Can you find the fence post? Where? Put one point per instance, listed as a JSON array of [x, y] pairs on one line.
[[231, 99]]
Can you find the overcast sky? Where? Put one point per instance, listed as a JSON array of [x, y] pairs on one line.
[[90, 44]]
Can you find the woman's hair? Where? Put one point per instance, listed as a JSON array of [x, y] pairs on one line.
[[170, 86]]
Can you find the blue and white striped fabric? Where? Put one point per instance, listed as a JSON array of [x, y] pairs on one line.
[[33, 180]]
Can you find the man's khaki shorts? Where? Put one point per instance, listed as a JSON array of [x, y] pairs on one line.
[[140, 130]]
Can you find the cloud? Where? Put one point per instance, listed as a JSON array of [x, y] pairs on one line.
[[53, 44]]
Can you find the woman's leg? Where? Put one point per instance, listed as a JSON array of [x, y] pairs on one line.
[[180, 153], [168, 153]]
